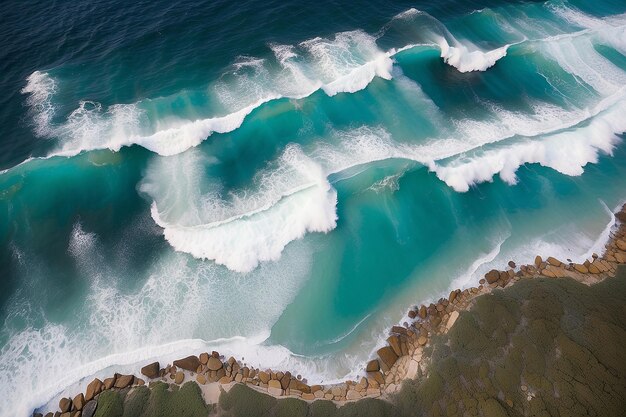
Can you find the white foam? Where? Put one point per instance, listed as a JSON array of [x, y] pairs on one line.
[[40, 88], [566, 151], [467, 59], [346, 63]]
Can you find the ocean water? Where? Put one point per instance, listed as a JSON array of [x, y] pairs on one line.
[[283, 180]]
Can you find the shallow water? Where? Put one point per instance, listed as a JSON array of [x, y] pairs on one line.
[[190, 176]]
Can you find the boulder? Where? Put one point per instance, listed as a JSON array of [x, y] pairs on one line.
[[179, 377], [362, 385], [394, 342], [553, 261], [387, 356], [621, 244], [275, 388], [375, 379], [492, 276], [422, 340], [151, 370], [308, 397], [201, 379], [225, 380], [90, 408], [581, 268], [204, 358], [94, 388], [399, 330], [214, 364], [108, 383], [65, 404], [264, 377], [512, 264], [452, 296], [538, 261], [593, 269], [353, 395], [299, 385], [79, 401], [423, 312], [412, 314], [284, 381], [123, 381], [190, 363]]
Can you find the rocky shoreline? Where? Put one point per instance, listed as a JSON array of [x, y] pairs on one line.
[[405, 356]]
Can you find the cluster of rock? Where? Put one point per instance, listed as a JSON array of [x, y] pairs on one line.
[[84, 405], [401, 358]]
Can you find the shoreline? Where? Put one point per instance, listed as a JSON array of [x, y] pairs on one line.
[[404, 356]]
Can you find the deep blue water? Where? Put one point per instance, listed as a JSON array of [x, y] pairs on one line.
[[282, 180]]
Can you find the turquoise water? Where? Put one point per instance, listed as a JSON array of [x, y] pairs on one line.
[[190, 176]]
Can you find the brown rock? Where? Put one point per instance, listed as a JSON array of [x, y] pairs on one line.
[[452, 296], [65, 404], [264, 377], [274, 387], [225, 380], [394, 342], [284, 381], [581, 268], [151, 370], [308, 397], [621, 244], [353, 395], [179, 377], [79, 401], [492, 276], [422, 340], [94, 388], [387, 356], [108, 383], [190, 363], [123, 381], [214, 364], [512, 264], [204, 358], [553, 261], [201, 379], [481, 281], [538, 261], [594, 269], [423, 312], [399, 330], [375, 379], [412, 314]]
